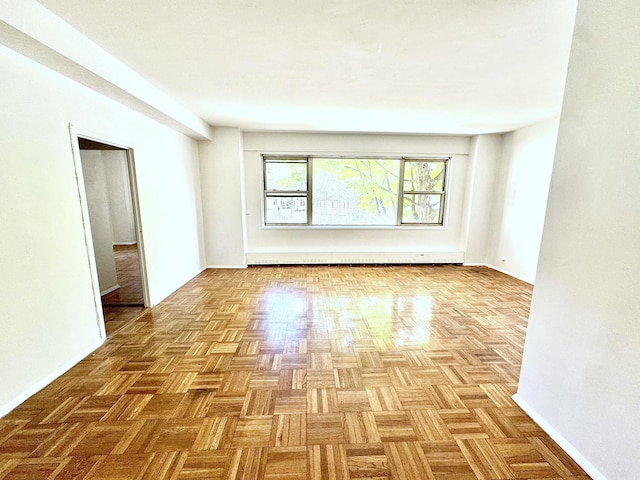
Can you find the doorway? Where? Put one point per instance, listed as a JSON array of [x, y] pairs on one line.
[[108, 175]]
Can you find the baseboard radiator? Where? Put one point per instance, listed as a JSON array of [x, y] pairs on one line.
[[353, 258]]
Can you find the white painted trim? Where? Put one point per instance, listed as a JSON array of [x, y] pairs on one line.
[[7, 407], [88, 239], [472, 264], [562, 442], [506, 272], [225, 266], [497, 269], [109, 290], [355, 257], [135, 205], [137, 221], [198, 272]]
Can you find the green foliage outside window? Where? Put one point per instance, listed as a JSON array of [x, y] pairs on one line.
[[354, 191]]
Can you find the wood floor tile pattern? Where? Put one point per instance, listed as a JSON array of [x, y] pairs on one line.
[[126, 303], [299, 373], [128, 274]]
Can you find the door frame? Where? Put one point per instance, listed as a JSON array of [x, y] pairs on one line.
[[135, 204]]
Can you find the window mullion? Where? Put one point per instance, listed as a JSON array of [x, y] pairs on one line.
[[309, 190], [400, 193]]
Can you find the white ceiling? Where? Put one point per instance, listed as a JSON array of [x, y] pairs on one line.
[[412, 66]]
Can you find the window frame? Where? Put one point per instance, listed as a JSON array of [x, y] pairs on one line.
[[442, 193], [286, 193], [308, 194]]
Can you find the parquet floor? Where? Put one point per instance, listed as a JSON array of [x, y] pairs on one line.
[[121, 306], [117, 316], [128, 273], [299, 373]]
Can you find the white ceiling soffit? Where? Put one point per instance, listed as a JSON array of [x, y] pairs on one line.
[[410, 66], [33, 31]]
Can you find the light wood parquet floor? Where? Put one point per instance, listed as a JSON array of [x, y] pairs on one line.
[[299, 373], [126, 303], [128, 273]]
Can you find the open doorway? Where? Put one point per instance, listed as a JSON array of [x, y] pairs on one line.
[[108, 175]]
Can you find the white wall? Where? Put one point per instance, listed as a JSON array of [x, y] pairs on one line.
[[484, 159], [170, 206], [520, 194], [223, 198], [47, 312], [353, 240], [482, 223], [98, 205], [581, 367], [119, 196], [29, 28]]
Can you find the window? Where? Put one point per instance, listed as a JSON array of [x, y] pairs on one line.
[[286, 191], [423, 191], [357, 191]]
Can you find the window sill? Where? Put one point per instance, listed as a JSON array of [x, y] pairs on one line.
[[354, 227]]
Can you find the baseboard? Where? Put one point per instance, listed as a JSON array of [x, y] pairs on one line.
[[562, 442], [327, 258], [227, 266], [109, 290], [507, 272], [125, 243], [6, 408], [153, 303], [358, 257]]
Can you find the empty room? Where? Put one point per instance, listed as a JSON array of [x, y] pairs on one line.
[[367, 239]]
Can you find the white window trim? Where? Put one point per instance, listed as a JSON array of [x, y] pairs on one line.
[[446, 193]]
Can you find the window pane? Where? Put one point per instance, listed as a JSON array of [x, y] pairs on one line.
[[354, 191], [422, 208], [424, 176], [285, 210], [287, 176]]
